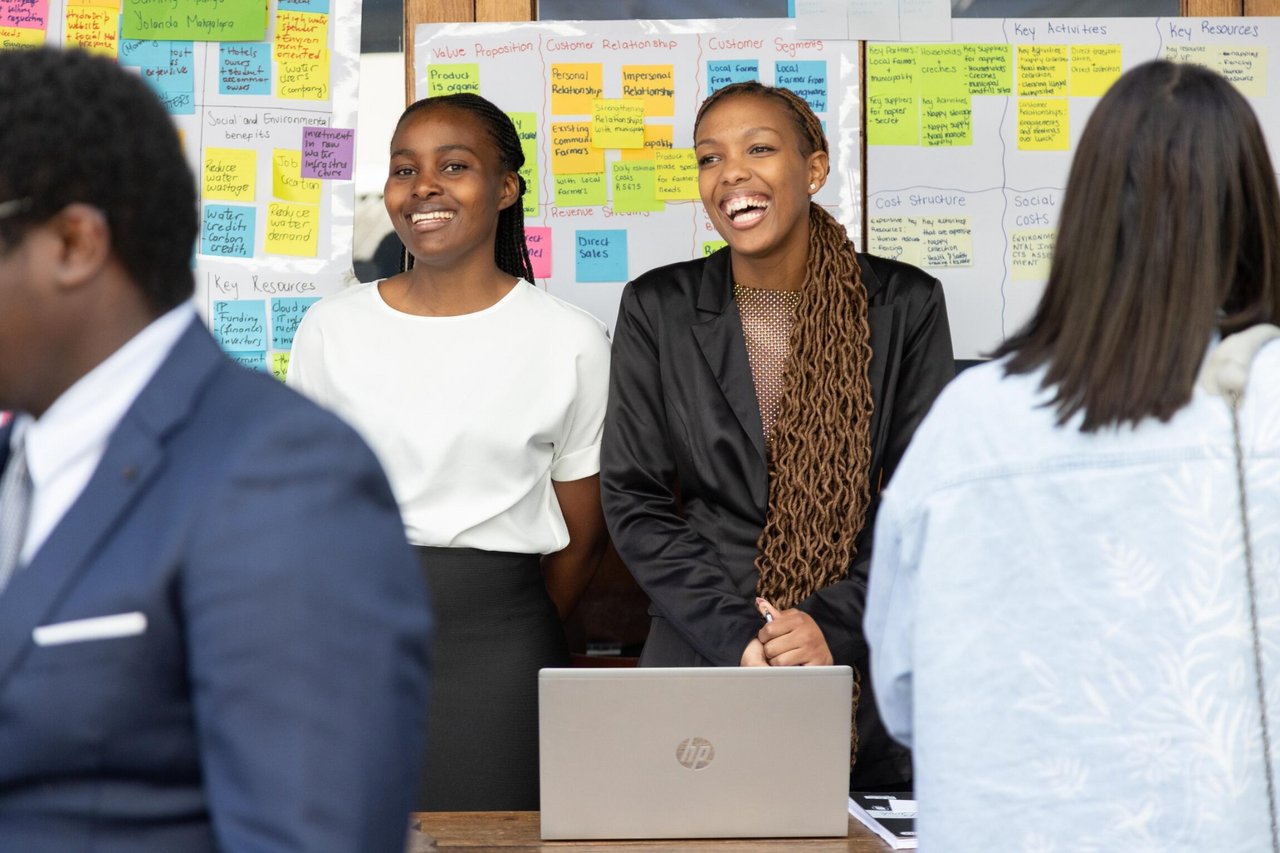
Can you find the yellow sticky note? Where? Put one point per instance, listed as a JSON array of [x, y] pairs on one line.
[[896, 237], [1031, 254], [94, 28], [946, 241], [574, 87], [946, 121], [1042, 70], [571, 150], [1094, 67], [655, 85], [676, 176], [617, 123], [286, 178], [893, 119], [1245, 66], [303, 79], [655, 136], [585, 190], [989, 69], [230, 174], [280, 365], [940, 70], [634, 187], [892, 69], [293, 229], [300, 35], [1043, 124], [20, 37], [452, 79]]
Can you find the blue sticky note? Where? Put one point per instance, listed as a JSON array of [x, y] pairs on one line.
[[244, 68], [286, 314], [255, 360], [722, 72], [138, 53], [806, 77], [601, 255], [240, 325], [227, 230], [321, 6], [168, 67]]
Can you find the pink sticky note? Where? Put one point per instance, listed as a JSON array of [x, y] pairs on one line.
[[30, 14], [328, 152], [539, 242]]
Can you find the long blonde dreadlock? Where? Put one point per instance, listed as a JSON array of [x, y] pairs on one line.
[[819, 471]]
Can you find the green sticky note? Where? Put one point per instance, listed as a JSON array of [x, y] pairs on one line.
[[586, 189], [529, 171], [712, 246], [891, 69], [940, 70], [633, 186], [893, 119], [181, 20], [989, 69], [453, 78], [946, 121]]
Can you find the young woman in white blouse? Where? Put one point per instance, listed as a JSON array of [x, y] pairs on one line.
[[484, 398]]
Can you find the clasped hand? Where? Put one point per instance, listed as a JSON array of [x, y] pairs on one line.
[[792, 638]]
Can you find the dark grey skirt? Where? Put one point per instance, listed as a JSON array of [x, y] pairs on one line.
[[495, 628]]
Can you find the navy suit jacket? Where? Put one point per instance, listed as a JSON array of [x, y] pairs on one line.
[[276, 699]]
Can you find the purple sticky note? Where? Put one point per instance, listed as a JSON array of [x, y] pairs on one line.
[[328, 152], [539, 242]]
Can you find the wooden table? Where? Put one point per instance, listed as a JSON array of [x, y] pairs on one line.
[[507, 831]]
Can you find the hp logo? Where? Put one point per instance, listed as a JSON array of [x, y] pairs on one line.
[[695, 752]]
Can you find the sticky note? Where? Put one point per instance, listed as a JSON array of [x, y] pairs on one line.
[[286, 178], [1042, 70], [1245, 67], [321, 6], [892, 69], [230, 174], [617, 123], [532, 199], [227, 230], [722, 72], [988, 69], [292, 229], [893, 119], [633, 187], [574, 87], [20, 37], [655, 136], [946, 121], [303, 79], [600, 255], [1031, 254], [93, 28], [168, 67], [300, 35], [527, 130], [244, 68], [896, 237], [572, 151], [582, 190], [251, 360], [1094, 67], [328, 152], [807, 78], [655, 85], [710, 247], [140, 53], [286, 314], [946, 242], [940, 70], [244, 20], [538, 239], [24, 14], [676, 176], [280, 365], [1043, 124], [452, 79], [240, 325]]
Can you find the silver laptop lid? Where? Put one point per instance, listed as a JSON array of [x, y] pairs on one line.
[[695, 752]]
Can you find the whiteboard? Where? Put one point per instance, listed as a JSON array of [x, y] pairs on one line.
[[973, 196], [586, 249]]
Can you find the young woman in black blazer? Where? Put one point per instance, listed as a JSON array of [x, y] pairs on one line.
[[759, 398]]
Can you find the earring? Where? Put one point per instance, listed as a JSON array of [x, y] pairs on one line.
[[813, 187]]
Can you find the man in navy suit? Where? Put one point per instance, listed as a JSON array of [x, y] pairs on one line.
[[212, 634]]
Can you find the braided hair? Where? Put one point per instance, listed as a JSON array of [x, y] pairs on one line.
[[510, 251], [820, 465]]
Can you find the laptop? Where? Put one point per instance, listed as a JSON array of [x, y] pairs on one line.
[[706, 752]]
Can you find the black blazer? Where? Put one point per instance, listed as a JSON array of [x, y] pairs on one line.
[[684, 477]]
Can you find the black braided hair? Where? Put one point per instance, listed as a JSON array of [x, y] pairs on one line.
[[510, 251]]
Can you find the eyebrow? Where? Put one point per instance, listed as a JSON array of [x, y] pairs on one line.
[[748, 132], [441, 149]]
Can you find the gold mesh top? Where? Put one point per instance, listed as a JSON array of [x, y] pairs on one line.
[[767, 319]]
